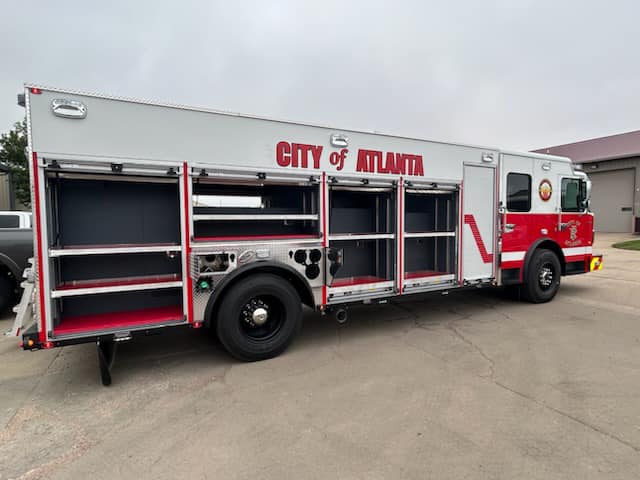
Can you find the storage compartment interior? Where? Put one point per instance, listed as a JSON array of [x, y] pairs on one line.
[[254, 210], [102, 212], [361, 261], [120, 269], [429, 256], [430, 211], [114, 310], [361, 211]]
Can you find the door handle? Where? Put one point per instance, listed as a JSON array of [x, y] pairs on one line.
[[509, 227]]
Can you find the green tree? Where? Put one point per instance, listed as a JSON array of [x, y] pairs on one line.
[[13, 156]]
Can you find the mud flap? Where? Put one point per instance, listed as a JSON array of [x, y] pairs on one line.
[[106, 357], [24, 313]]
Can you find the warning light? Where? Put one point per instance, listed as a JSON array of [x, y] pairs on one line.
[[30, 342], [48, 345], [36, 91], [197, 325], [204, 285]]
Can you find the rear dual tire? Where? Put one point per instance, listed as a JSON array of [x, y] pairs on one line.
[[259, 317]]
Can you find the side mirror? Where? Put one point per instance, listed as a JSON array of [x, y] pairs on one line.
[[586, 200]]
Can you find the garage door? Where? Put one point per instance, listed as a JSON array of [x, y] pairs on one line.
[[612, 200]]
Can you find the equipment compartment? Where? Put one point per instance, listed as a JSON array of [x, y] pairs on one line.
[[362, 261], [224, 211], [430, 211], [107, 211], [116, 311], [96, 271], [361, 211], [429, 257]]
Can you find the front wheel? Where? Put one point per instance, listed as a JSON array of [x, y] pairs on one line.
[[7, 293], [543, 277], [259, 317]]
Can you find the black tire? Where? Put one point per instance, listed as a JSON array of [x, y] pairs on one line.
[[236, 323], [543, 277], [7, 293]]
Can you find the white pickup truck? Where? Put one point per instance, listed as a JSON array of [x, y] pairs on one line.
[[16, 247]]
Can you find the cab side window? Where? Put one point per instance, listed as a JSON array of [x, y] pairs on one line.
[[518, 192], [9, 221], [570, 195]]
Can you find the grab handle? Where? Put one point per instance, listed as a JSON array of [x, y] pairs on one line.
[[62, 107]]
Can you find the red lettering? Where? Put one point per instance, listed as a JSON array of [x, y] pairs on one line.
[[283, 154], [400, 163], [418, 169], [294, 155], [362, 164], [316, 151]]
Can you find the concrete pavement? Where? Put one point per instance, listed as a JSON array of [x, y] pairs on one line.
[[469, 385]]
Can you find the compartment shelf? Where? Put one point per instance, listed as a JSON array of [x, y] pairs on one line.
[[255, 216], [113, 285], [428, 234], [256, 238], [113, 249], [361, 236], [119, 320], [424, 274], [353, 281]]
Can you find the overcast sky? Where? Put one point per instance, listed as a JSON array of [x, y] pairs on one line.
[[517, 74]]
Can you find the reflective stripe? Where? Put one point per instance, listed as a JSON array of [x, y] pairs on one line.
[[512, 256], [568, 252], [572, 252]]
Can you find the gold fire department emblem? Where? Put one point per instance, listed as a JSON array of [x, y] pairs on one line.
[[545, 190]]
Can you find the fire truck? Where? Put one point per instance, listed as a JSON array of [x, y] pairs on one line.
[[151, 216]]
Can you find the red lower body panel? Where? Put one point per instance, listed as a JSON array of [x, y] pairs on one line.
[[111, 321], [253, 237], [351, 281], [423, 273], [117, 282]]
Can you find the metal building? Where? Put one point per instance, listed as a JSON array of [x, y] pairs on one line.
[[613, 164]]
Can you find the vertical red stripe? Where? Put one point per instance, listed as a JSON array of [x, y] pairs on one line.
[[187, 245], [475, 231], [400, 237], [496, 201], [36, 207], [323, 186], [460, 229]]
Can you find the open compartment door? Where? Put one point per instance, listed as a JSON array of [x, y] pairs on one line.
[[478, 223]]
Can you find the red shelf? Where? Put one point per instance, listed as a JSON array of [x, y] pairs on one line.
[[116, 282], [112, 321], [351, 281], [423, 274], [253, 237], [117, 245]]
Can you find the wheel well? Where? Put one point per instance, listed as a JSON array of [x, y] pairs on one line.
[[296, 280], [548, 245], [5, 271]]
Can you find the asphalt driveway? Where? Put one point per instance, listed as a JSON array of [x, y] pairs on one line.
[[469, 385]]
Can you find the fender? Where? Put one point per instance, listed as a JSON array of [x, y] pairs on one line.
[[268, 266], [551, 244], [12, 266]]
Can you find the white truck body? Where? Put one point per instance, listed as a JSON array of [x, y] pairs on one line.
[[346, 216]]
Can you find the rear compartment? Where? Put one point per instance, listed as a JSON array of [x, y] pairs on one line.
[[114, 249]]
